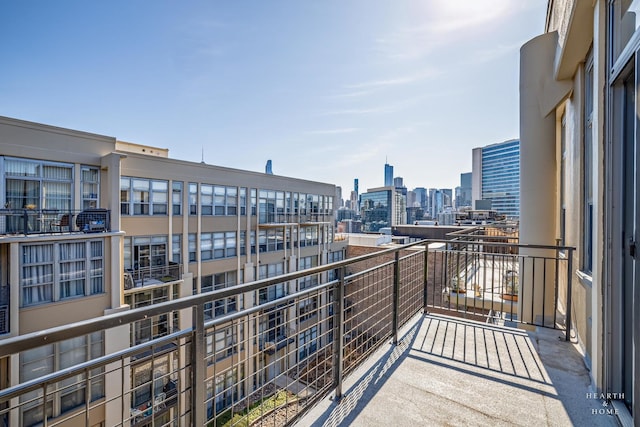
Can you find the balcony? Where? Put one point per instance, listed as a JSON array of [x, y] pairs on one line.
[[391, 343], [152, 276], [53, 221]]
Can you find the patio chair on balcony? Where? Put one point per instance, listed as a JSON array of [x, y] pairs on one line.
[[61, 223]]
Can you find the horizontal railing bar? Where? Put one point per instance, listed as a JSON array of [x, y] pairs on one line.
[[500, 244], [409, 256], [368, 270]]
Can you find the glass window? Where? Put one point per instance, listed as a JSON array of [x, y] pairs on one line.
[[206, 246], [254, 201], [90, 187], [218, 245], [193, 198], [67, 394], [307, 342], [176, 197], [34, 185], [176, 247], [222, 306], [206, 199], [232, 201], [272, 292], [192, 248], [243, 201], [243, 242], [62, 270], [140, 196], [72, 269], [125, 196], [230, 243], [159, 197], [219, 200]]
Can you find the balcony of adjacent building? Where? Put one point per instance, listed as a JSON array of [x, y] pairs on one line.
[[32, 220], [469, 331]]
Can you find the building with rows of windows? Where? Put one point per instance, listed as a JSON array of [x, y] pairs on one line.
[[496, 178], [90, 225]]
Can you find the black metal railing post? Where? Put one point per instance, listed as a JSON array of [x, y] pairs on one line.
[[197, 366], [396, 297], [425, 291], [338, 344], [569, 284]]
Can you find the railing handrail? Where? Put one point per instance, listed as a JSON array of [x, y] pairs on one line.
[[502, 244]]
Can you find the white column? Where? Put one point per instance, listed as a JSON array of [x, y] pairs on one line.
[[539, 95]]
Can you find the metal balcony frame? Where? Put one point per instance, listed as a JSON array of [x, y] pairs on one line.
[[195, 334]]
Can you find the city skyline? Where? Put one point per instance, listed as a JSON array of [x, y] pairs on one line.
[[327, 91]]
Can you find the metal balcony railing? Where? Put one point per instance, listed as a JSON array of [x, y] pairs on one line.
[[53, 221], [145, 276], [265, 365]]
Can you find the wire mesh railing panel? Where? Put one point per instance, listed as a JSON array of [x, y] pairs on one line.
[[268, 366], [411, 286], [368, 313], [501, 283]]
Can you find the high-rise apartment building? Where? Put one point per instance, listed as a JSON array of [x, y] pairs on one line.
[[463, 192], [382, 207], [496, 177], [421, 196], [91, 225]]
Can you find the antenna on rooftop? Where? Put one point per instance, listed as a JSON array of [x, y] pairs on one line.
[[202, 161]]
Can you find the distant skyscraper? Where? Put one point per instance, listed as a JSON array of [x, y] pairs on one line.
[[388, 175], [355, 196], [382, 207], [267, 169], [421, 196], [463, 195], [437, 201], [448, 197], [398, 182], [496, 176]]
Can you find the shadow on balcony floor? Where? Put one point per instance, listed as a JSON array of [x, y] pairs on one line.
[[449, 371]]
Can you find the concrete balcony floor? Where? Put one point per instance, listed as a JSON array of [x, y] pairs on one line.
[[451, 372]]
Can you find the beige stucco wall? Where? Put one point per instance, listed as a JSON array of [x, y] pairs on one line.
[[578, 26]]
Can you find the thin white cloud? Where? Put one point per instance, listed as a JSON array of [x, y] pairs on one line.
[[332, 131], [359, 111], [347, 95], [394, 81], [442, 24], [495, 52]]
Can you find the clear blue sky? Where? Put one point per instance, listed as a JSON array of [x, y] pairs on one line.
[[325, 89]]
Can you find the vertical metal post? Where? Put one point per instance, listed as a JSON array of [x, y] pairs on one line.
[[569, 283], [557, 283], [338, 340], [425, 291], [45, 418], [396, 297], [87, 395], [197, 367]]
